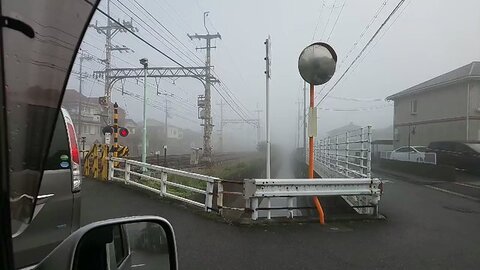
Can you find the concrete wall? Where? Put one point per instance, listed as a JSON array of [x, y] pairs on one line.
[[441, 115]]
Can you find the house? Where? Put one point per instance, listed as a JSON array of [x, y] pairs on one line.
[[90, 124], [446, 107]]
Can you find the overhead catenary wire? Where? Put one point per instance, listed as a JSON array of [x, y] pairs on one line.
[[158, 36], [363, 49]]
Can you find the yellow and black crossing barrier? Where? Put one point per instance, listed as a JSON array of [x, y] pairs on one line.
[[95, 164]]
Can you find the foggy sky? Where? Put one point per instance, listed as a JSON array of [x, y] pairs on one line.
[[427, 39]]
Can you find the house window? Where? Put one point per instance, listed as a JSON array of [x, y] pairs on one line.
[[413, 106]]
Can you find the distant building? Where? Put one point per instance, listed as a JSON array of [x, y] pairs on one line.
[[446, 107], [90, 125]]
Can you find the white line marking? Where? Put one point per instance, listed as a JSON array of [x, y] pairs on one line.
[[453, 193], [137, 265], [467, 185]]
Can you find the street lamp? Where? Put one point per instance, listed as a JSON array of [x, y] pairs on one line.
[[144, 62], [316, 64]]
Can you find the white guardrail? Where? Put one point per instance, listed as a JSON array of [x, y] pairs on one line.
[[135, 169], [165, 182], [255, 189]]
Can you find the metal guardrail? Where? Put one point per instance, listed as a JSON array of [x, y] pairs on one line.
[[255, 189], [132, 168]]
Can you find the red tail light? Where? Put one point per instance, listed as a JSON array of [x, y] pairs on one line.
[[73, 144]]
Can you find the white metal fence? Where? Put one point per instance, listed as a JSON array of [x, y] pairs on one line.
[[348, 154], [136, 173]]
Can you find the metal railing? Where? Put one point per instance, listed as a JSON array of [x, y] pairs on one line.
[[256, 189], [348, 154], [136, 173]]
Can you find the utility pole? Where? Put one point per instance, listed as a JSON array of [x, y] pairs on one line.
[[87, 57], [144, 62], [110, 30], [207, 118], [267, 95], [166, 113]]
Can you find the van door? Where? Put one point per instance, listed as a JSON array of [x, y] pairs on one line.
[[52, 220]]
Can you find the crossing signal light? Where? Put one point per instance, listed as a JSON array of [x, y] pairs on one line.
[[123, 132]]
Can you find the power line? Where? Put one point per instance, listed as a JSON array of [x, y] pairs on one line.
[[364, 109], [163, 26], [328, 20], [138, 37], [363, 49], [365, 29], [318, 20], [154, 30], [336, 21], [383, 34], [357, 99]]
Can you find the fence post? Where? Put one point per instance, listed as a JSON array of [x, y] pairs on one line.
[[127, 172], [110, 169], [254, 208], [346, 154], [363, 170], [369, 152], [209, 197], [163, 185], [336, 154], [220, 197], [290, 206]]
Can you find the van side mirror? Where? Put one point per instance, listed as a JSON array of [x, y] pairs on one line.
[[117, 244]]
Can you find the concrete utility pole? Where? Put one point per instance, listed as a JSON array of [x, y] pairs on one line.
[[83, 56], [166, 114], [110, 30], [207, 117], [144, 62], [267, 95]]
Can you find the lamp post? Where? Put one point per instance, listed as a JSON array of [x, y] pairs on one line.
[[316, 64], [144, 62]]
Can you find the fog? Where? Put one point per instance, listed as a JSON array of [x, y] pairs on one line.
[[422, 40]]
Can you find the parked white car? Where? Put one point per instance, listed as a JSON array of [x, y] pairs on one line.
[[409, 153]]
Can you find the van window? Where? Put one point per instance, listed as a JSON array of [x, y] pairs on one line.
[[59, 153]]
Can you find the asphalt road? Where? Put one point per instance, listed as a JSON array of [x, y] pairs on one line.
[[425, 229]]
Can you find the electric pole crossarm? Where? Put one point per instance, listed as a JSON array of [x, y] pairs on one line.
[[156, 72], [207, 36]]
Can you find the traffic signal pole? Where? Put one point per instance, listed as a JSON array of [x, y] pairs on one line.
[[115, 129]]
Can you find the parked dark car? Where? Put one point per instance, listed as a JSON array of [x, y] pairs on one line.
[[461, 155]]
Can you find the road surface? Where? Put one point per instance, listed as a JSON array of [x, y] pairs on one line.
[[425, 229]]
